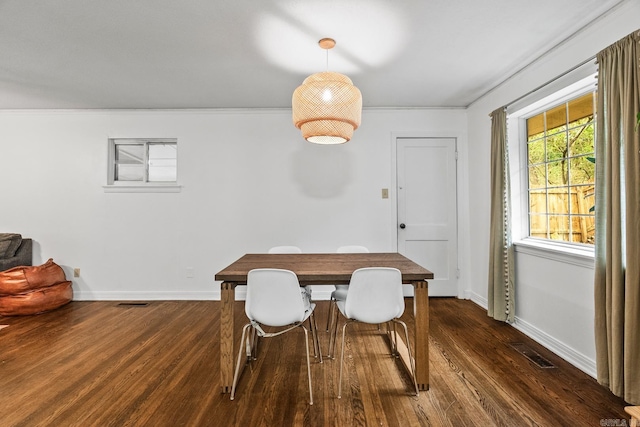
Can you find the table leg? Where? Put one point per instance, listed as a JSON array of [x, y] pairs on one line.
[[227, 300], [421, 300]]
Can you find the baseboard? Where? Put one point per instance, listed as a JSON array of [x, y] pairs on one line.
[[577, 359], [478, 299], [145, 296]]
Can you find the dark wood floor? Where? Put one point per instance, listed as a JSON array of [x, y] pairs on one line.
[[104, 364]]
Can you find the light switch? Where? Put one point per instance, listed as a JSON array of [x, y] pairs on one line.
[[385, 193]]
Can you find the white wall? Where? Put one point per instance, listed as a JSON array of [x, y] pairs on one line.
[[554, 300], [249, 182]]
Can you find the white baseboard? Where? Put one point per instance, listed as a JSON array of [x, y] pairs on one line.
[[577, 359], [478, 299], [145, 296]]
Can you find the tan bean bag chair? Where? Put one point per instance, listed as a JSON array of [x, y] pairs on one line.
[[23, 279], [36, 301], [31, 290]]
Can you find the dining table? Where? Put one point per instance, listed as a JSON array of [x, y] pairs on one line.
[[327, 269]]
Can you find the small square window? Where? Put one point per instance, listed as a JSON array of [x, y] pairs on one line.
[[140, 163]]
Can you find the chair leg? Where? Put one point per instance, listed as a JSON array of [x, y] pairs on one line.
[[344, 330], [332, 302], [391, 335], [412, 362], [242, 347], [314, 337], [306, 340], [331, 338], [394, 349], [254, 344], [333, 335]]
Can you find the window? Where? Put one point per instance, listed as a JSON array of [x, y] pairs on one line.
[[142, 163], [561, 170]]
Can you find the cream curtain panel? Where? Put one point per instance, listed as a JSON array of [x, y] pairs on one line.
[[617, 264], [500, 294]]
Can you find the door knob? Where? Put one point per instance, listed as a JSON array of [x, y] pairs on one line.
[[402, 225]]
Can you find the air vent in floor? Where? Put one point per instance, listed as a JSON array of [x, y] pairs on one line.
[[133, 304], [532, 355]]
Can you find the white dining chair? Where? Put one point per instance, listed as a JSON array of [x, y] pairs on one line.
[[374, 296], [340, 293], [274, 300], [306, 291]]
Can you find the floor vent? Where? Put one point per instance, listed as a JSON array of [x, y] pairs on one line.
[[133, 304], [532, 355]]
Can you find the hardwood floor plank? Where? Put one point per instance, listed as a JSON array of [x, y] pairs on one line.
[[101, 364]]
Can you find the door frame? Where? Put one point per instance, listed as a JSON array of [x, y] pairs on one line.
[[462, 201]]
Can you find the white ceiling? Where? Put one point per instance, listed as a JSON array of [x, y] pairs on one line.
[[254, 53]]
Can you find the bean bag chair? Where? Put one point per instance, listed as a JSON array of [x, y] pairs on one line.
[[28, 290], [36, 301], [23, 279]]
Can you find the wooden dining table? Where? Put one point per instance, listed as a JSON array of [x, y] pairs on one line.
[[326, 269]]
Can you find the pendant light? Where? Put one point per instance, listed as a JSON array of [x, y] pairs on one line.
[[327, 107]]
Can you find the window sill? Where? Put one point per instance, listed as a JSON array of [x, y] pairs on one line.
[[148, 188], [557, 251]]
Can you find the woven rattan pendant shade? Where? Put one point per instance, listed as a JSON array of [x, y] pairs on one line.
[[327, 108]]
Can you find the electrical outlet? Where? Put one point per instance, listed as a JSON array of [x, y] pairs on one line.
[[190, 272], [76, 272]]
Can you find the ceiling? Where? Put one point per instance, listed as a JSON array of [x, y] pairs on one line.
[[254, 53]]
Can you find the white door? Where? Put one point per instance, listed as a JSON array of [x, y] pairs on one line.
[[427, 217]]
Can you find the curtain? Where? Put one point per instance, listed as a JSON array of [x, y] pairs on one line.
[[617, 251], [500, 294]]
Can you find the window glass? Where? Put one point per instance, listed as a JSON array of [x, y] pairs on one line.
[[129, 164], [142, 161], [561, 173], [162, 162]]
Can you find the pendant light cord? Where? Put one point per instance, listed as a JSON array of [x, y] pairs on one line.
[[327, 44], [327, 60]]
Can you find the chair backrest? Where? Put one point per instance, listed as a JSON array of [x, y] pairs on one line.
[[375, 295], [285, 250], [273, 297], [352, 250]]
